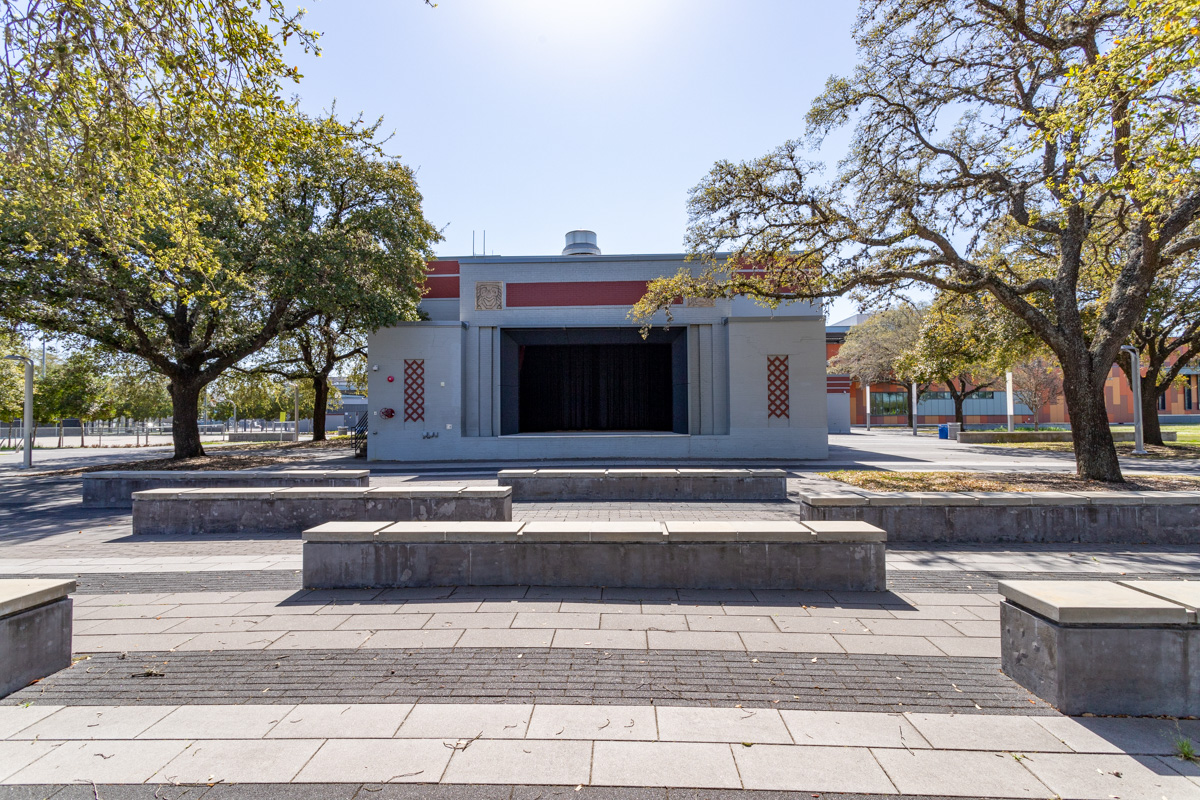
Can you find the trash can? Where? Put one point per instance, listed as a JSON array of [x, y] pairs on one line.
[[943, 431]]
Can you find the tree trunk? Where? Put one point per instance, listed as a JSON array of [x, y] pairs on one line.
[[185, 417], [320, 401], [1095, 453], [1151, 427]]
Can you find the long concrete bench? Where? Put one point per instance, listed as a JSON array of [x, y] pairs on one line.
[[1019, 437], [836, 556], [35, 630], [247, 510], [1094, 517], [114, 489], [1100, 647], [645, 484]]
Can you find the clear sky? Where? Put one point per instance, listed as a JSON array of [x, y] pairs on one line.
[[529, 118]]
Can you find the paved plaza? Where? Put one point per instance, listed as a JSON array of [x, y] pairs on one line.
[[202, 668]]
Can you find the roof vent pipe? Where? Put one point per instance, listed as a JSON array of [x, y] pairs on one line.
[[581, 243]]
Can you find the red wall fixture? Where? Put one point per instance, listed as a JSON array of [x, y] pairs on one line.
[[387, 413], [391, 378]]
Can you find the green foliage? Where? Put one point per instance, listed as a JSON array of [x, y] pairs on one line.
[[1057, 120], [12, 376], [73, 387], [1037, 384], [135, 392], [874, 350], [256, 396]]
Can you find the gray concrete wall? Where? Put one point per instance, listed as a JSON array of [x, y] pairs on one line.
[[295, 510], [680, 485], [34, 643], [115, 489], [1139, 671], [1093, 524], [699, 565]]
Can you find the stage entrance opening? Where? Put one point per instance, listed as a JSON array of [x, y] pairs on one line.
[[593, 379]]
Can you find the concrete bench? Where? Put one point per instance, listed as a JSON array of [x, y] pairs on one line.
[[249, 510], [837, 556], [986, 517], [35, 630], [1019, 437], [114, 489], [1101, 647], [645, 484]]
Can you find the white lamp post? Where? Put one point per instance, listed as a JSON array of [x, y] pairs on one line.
[[296, 400], [28, 460], [914, 408], [868, 405], [1008, 396], [1135, 383]]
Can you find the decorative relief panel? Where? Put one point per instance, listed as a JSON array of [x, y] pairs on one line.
[[778, 400], [414, 389], [489, 296], [701, 302]]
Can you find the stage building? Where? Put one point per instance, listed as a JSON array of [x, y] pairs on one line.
[[533, 358]]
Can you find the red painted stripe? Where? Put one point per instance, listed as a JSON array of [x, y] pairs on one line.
[[442, 268], [439, 287], [574, 293]]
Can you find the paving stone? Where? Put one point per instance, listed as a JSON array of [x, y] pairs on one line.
[[16, 755], [702, 766], [238, 761], [96, 722], [506, 637], [99, 761], [280, 791], [207, 624], [973, 732], [791, 643], [592, 722], [556, 620], [737, 623], [520, 762], [232, 640], [150, 642], [693, 640], [852, 729], [1106, 776], [413, 640], [307, 622], [454, 721], [888, 645], [472, 620], [216, 722], [600, 639], [811, 769], [16, 718], [966, 646], [378, 622], [319, 640], [378, 760], [644, 622], [337, 721], [690, 724], [1135, 736], [911, 627], [793, 624], [959, 773]]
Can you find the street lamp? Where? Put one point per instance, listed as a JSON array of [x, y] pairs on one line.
[[28, 461], [1135, 383], [296, 400]]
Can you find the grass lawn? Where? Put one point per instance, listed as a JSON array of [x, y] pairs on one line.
[[879, 481], [1186, 445]]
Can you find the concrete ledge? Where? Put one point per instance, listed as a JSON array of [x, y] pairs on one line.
[[763, 555], [35, 630], [115, 488], [1100, 666], [1018, 437], [293, 510], [645, 484], [988, 517], [260, 436], [1092, 603]]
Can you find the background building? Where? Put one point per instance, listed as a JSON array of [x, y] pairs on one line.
[[527, 358]]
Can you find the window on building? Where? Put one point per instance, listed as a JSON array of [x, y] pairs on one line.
[[987, 395], [1162, 402], [1187, 397], [936, 396], [886, 404]]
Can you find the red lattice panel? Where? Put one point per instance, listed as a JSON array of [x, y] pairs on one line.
[[414, 389], [778, 400]]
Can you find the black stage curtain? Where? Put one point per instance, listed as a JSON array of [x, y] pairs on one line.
[[595, 387]]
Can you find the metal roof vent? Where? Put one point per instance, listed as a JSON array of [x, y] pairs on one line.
[[581, 243]]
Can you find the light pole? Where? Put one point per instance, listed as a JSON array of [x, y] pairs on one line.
[[1135, 383], [1008, 397], [914, 407], [296, 400], [868, 405], [28, 460]]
